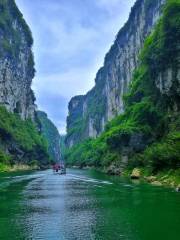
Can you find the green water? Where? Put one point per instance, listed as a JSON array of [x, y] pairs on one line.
[[85, 205]]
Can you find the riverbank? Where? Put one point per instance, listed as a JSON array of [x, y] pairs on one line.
[[17, 167], [168, 178]]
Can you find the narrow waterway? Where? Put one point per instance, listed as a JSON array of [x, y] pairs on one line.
[[85, 205]]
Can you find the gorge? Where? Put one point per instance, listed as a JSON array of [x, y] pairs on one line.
[[131, 116], [21, 141], [115, 175], [88, 114]]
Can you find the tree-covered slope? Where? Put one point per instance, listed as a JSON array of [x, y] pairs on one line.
[[20, 140], [88, 114], [62, 145], [51, 134], [147, 134]]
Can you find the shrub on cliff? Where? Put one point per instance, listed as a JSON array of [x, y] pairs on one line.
[[21, 139], [11, 41], [165, 154], [149, 113], [4, 158]]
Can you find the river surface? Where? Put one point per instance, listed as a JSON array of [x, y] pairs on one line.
[[85, 205]]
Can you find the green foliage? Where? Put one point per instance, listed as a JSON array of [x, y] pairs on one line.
[[16, 14], [78, 154], [62, 145], [77, 129], [95, 108], [24, 136], [4, 158], [33, 163], [6, 46], [51, 134], [4, 167], [165, 154], [148, 112], [12, 37], [12, 127], [78, 126], [161, 47], [120, 135]]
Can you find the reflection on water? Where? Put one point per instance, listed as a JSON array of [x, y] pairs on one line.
[[85, 205], [58, 207]]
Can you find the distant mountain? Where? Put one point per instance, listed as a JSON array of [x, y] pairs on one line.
[[51, 134]]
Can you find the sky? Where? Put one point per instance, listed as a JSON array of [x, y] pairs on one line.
[[71, 38]]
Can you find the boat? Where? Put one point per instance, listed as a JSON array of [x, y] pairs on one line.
[[59, 168]]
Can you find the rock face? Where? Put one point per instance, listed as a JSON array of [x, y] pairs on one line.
[[168, 81], [51, 134], [20, 140], [88, 114], [16, 62]]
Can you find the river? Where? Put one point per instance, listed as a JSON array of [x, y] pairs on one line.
[[85, 205]]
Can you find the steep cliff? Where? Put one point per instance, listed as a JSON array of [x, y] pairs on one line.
[[16, 61], [20, 141], [147, 133], [62, 145], [52, 136], [88, 117]]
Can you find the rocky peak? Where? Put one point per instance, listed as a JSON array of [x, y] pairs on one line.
[[16, 62], [105, 100]]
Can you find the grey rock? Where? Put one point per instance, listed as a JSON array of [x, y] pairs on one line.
[[16, 65], [113, 170], [136, 173], [104, 101]]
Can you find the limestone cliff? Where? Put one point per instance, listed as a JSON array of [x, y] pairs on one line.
[[147, 133], [16, 61], [20, 140], [52, 136], [88, 114]]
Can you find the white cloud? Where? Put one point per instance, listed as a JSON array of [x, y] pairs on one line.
[[71, 38], [113, 6], [74, 81]]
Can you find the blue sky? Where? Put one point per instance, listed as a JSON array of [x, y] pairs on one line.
[[71, 38]]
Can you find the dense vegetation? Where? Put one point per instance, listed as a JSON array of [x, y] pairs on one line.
[[20, 141], [51, 134], [10, 19], [12, 24], [149, 130], [62, 145], [95, 104]]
